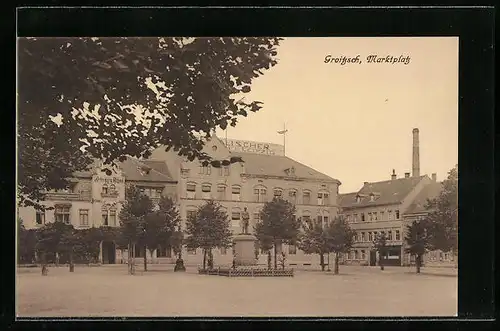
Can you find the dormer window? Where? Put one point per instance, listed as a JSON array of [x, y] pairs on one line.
[[105, 189], [143, 170], [358, 199], [372, 197]]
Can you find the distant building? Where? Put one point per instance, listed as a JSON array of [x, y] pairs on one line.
[[265, 173], [389, 207], [379, 207]]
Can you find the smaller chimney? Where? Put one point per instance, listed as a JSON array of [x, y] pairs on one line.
[[407, 175], [365, 183], [434, 177], [393, 176]]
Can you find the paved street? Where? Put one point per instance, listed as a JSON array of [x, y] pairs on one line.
[[357, 291]]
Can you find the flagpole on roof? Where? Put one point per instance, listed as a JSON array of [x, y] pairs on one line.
[[283, 132]]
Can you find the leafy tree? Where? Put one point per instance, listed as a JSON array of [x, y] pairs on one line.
[[208, 229], [51, 240], [132, 220], [418, 240], [339, 238], [313, 241], [26, 243], [264, 241], [182, 88], [380, 245], [278, 224], [70, 244], [160, 225], [443, 217], [88, 247]]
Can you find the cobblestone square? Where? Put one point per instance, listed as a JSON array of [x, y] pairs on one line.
[[159, 292]]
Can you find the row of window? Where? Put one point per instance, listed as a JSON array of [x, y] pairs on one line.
[[371, 235], [63, 215], [373, 216], [236, 217], [207, 170], [259, 194]]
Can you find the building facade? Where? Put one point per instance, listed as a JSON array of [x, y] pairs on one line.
[[379, 208], [390, 207], [418, 211], [262, 175], [94, 199]]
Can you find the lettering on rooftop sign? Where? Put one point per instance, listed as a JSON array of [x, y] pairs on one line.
[[254, 147]]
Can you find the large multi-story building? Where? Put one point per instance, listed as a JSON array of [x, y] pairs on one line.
[[389, 207], [94, 198], [379, 208], [264, 173]]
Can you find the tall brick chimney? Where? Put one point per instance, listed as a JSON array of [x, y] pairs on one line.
[[416, 154], [393, 176]]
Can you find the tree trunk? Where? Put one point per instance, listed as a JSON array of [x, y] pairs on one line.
[[129, 258], [417, 262], [204, 258], [381, 262], [145, 249], [57, 259], [269, 259], [275, 255], [210, 259], [71, 264], [45, 270], [336, 269], [132, 261], [322, 261], [151, 252]]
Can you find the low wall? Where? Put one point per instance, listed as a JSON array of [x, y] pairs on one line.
[[247, 272]]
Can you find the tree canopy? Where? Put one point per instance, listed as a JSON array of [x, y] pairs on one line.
[[380, 245], [312, 240], [208, 228], [113, 97], [133, 213], [278, 224], [443, 215], [160, 225], [418, 240]]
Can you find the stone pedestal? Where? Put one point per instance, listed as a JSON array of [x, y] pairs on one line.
[[244, 247]]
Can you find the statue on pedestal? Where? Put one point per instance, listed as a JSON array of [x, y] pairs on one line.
[[245, 219]]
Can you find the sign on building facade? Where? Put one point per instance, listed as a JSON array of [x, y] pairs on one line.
[[254, 147]]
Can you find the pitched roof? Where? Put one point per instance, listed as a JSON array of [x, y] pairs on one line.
[[387, 192], [277, 165], [428, 192], [346, 197], [145, 170], [156, 171]]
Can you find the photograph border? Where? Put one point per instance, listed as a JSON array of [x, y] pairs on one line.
[[473, 26]]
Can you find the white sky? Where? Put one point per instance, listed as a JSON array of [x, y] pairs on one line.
[[338, 118]]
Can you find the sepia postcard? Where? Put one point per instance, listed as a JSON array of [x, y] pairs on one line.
[[237, 176]]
